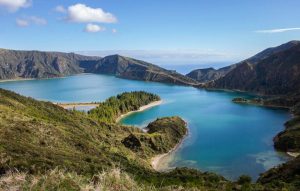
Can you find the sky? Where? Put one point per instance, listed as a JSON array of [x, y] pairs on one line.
[[179, 32]]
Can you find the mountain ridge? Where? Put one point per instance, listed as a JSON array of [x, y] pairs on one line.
[[203, 77], [276, 74], [16, 64]]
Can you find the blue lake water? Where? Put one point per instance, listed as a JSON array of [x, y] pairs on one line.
[[226, 138]]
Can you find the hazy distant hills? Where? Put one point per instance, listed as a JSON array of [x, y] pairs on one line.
[[207, 74], [36, 64], [210, 74], [275, 71]]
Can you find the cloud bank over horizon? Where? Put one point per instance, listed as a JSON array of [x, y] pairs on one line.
[[280, 30], [167, 57]]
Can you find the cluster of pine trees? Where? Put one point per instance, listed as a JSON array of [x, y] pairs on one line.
[[115, 106]]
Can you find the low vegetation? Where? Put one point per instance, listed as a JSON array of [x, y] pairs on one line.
[[45, 147], [115, 106], [289, 139]]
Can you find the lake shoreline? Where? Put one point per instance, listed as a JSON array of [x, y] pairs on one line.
[[72, 105], [17, 79], [158, 159], [143, 108], [293, 154], [193, 104]]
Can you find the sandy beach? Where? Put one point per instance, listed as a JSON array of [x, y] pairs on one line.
[[143, 108], [292, 154], [164, 158], [72, 105], [16, 79], [157, 160]]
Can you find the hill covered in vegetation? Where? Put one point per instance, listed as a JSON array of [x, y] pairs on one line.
[[115, 106], [45, 147], [16, 64], [210, 74], [37, 137]]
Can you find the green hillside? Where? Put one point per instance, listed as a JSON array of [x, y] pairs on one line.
[[45, 147]]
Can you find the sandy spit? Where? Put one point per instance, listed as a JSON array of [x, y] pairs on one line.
[[143, 108]]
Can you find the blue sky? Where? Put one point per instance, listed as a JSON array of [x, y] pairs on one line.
[[195, 31]]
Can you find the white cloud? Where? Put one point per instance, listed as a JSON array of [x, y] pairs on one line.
[[26, 21], [60, 9], [278, 30], [81, 13], [92, 28], [22, 22], [114, 31], [14, 5], [37, 20]]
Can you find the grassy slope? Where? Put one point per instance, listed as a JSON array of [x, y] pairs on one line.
[[37, 137]]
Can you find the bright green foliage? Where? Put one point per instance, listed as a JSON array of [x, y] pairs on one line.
[[115, 106], [37, 136]]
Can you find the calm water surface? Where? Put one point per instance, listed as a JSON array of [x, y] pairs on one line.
[[224, 137]]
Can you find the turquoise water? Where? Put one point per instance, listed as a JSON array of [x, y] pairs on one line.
[[224, 137]]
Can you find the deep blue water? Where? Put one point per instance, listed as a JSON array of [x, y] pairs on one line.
[[224, 137]]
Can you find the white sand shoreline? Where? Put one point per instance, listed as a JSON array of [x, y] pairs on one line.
[[293, 154], [30, 79], [16, 79], [143, 108], [72, 105], [155, 161]]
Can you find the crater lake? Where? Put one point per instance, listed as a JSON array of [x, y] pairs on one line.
[[224, 137]]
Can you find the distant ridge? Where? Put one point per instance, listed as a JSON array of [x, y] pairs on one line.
[[129, 68], [202, 75], [16, 64], [275, 71], [36, 64]]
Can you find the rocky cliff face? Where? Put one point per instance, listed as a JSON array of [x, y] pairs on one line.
[[277, 74], [36, 64], [210, 74]]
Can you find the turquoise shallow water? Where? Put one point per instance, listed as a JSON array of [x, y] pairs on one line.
[[224, 137]]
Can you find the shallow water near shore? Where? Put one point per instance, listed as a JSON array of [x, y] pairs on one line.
[[224, 137]]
